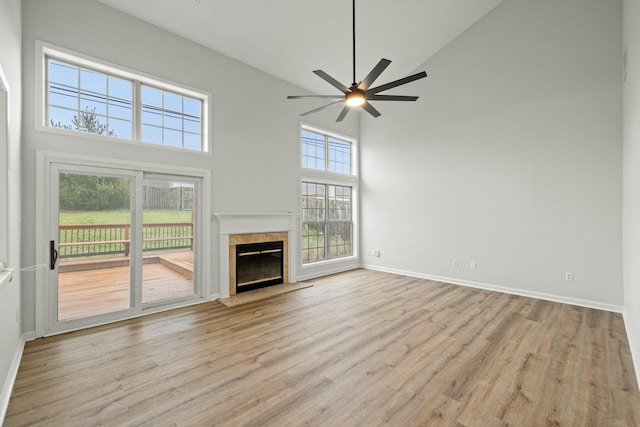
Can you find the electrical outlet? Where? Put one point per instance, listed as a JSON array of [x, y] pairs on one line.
[[454, 263], [472, 265], [568, 276]]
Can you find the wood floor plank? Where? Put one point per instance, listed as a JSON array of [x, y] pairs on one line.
[[361, 348]]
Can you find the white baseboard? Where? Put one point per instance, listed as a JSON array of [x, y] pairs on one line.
[[503, 289], [633, 345], [10, 380]]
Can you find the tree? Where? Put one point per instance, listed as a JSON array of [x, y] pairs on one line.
[[93, 193], [88, 122]]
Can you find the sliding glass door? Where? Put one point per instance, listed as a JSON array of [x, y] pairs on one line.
[[121, 242]]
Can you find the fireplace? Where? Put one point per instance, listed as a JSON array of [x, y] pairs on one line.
[[263, 250], [259, 265]]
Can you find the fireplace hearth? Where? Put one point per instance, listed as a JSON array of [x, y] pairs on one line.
[[259, 265]]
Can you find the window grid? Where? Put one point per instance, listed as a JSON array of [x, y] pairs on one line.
[[96, 111], [325, 153], [81, 99], [327, 226], [171, 125], [313, 150], [339, 156]]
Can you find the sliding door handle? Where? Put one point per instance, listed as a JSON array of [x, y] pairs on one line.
[[53, 254]]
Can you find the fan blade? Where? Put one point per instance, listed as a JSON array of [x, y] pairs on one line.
[[374, 74], [321, 108], [397, 83], [369, 109], [315, 96], [391, 98], [333, 82], [342, 114]]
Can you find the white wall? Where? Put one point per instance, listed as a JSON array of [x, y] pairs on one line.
[[255, 130], [510, 158], [10, 329], [631, 167]]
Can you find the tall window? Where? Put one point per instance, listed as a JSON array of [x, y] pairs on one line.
[[88, 98], [327, 198]]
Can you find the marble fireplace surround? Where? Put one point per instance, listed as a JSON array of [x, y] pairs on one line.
[[235, 228]]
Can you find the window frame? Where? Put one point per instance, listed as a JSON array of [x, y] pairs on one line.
[[327, 221], [316, 176], [44, 51]]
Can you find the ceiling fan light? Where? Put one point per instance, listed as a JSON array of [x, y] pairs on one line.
[[355, 99]]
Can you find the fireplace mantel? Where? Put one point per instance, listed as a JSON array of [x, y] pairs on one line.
[[230, 223]]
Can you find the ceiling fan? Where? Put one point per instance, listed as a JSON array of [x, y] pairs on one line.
[[360, 94]]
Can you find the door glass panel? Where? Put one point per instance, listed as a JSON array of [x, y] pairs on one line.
[[94, 249], [169, 207]]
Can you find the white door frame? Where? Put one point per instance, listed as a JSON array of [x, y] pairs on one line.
[[5, 170], [44, 161]]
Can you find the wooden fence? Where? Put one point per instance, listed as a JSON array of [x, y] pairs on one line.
[[89, 240], [168, 198]]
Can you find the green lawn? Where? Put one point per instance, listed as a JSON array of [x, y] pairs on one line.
[[149, 216]]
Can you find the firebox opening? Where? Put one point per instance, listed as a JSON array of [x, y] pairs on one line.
[[259, 265]]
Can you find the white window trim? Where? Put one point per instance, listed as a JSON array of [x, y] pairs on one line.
[[44, 50], [5, 171], [332, 265]]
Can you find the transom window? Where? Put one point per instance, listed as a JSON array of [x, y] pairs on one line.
[[85, 98], [171, 119], [88, 101], [325, 153]]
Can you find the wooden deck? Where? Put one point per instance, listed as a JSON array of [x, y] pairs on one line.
[[361, 348], [104, 290]]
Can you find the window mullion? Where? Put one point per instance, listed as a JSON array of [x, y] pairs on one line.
[[326, 222], [137, 111], [326, 153]]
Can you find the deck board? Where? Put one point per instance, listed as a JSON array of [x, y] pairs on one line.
[[104, 290]]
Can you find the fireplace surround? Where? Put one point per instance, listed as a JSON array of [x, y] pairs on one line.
[[247, 228], [253, 241]]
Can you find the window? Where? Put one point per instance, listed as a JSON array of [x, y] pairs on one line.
[[327, 226], [327, 197], [88, 101], [90, 97], [171, 119], [325, 153]]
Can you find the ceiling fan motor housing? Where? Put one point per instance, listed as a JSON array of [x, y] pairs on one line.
[[355, 97]]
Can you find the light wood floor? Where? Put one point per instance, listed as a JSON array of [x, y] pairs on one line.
[[361, 348]]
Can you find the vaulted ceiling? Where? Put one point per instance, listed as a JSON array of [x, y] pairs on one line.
[[291, 38]]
